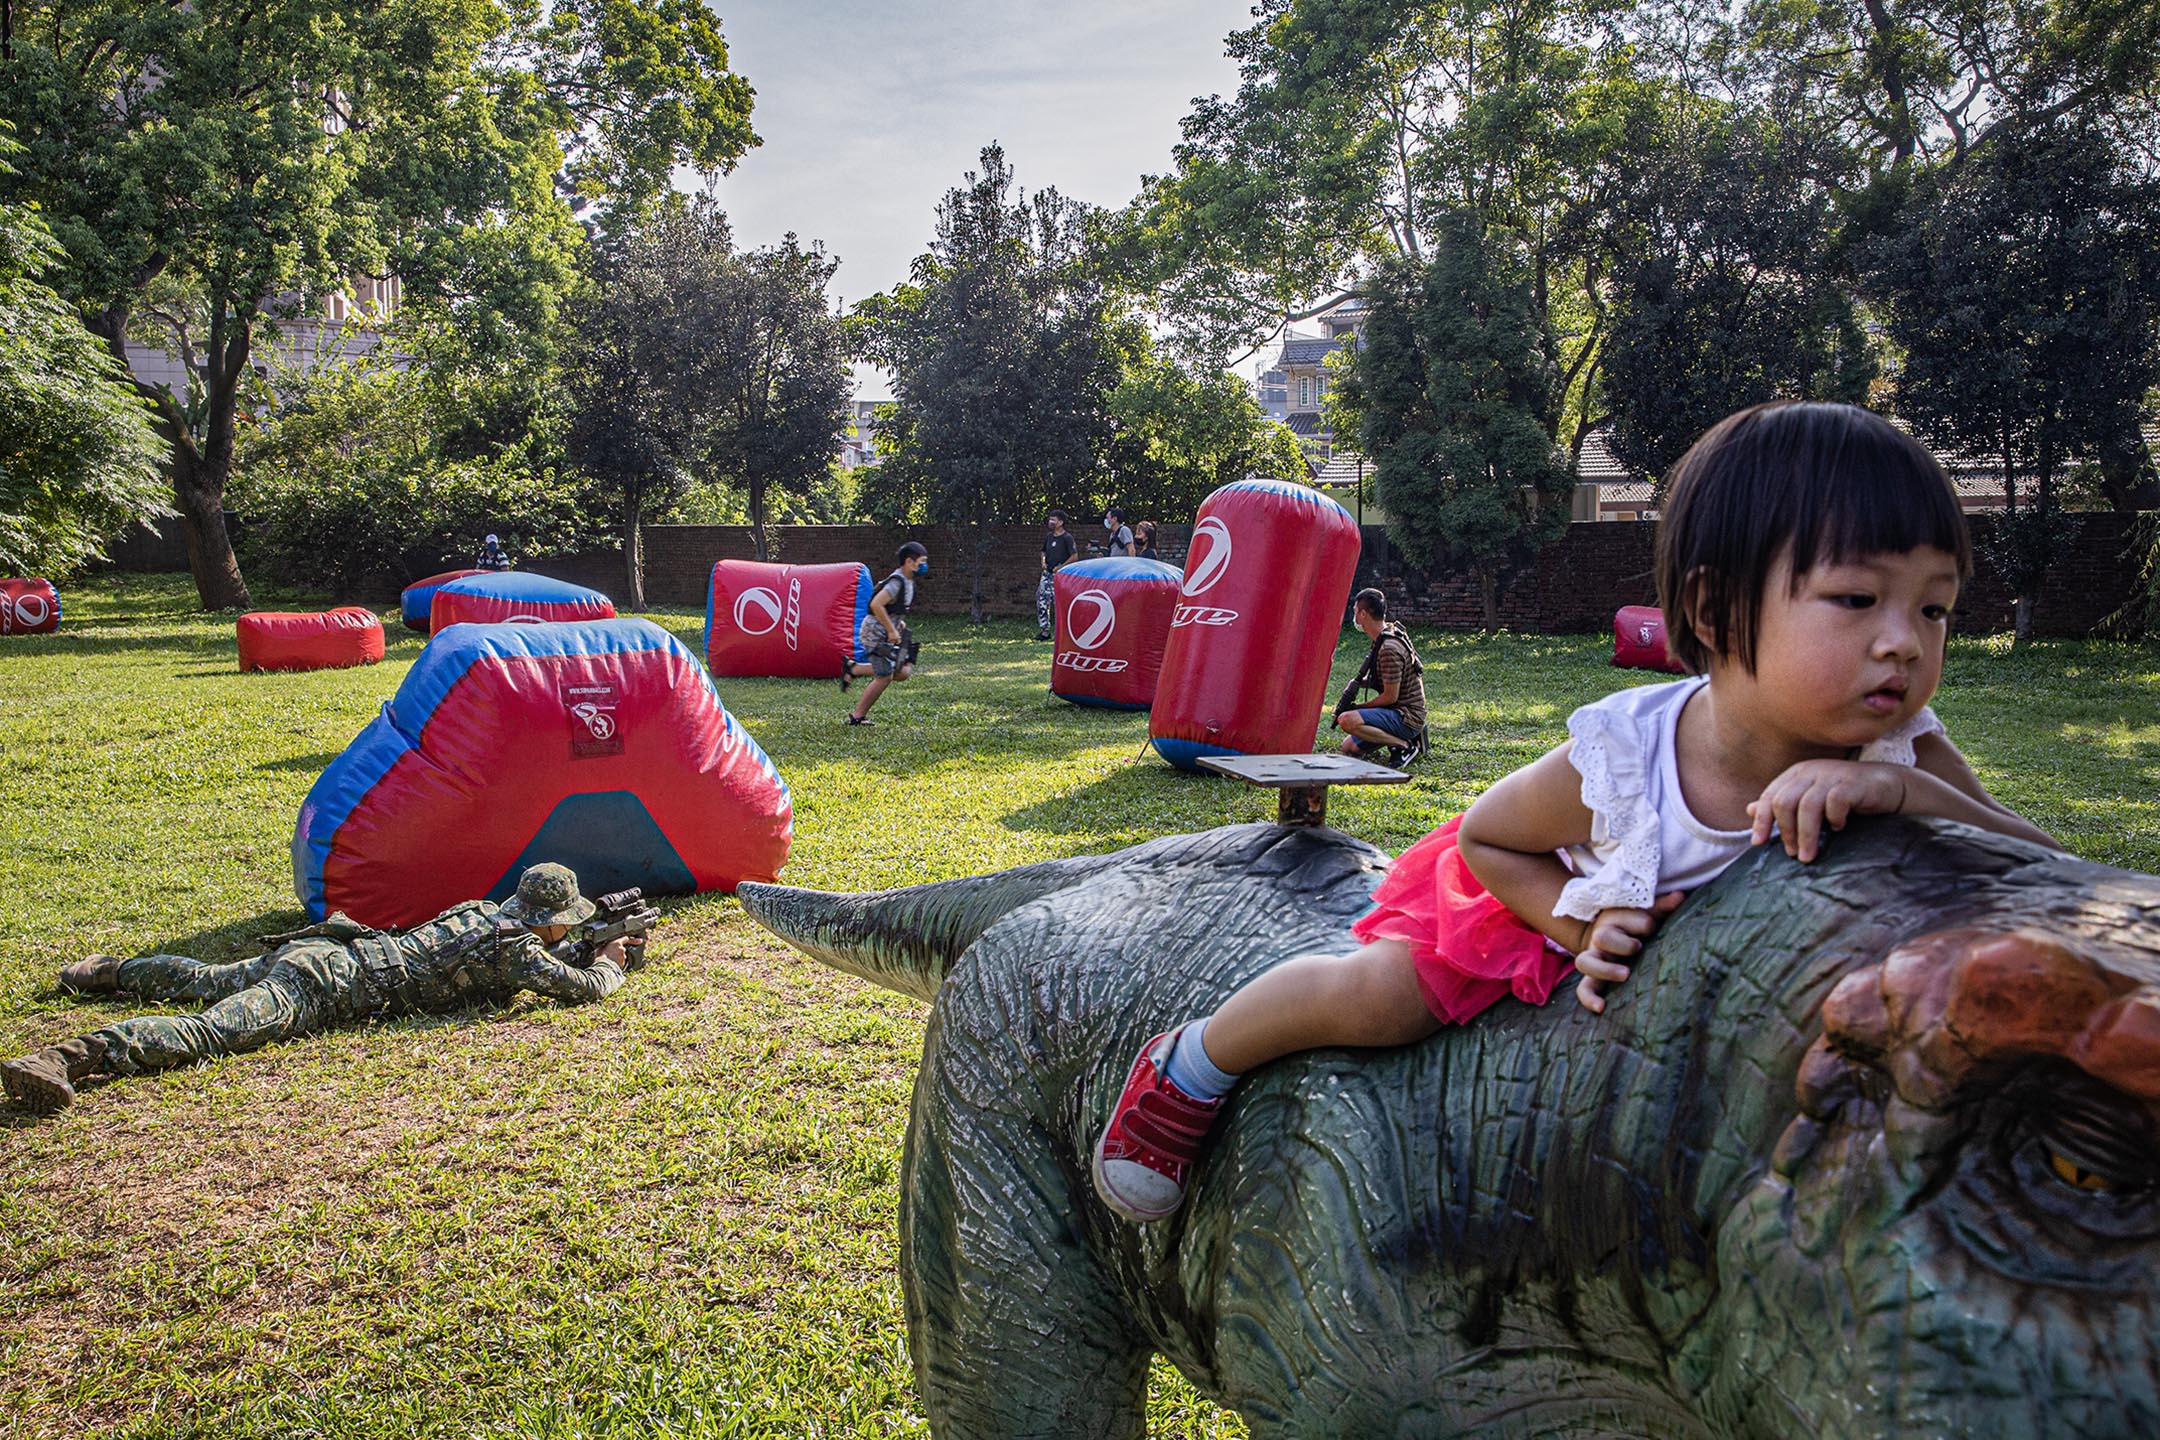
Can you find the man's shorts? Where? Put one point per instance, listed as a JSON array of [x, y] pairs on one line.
[[884, 655], [1384, 717]]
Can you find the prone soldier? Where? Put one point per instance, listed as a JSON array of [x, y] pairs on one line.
[[340, 972]]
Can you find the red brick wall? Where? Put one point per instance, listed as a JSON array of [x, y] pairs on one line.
[[1575, 586]]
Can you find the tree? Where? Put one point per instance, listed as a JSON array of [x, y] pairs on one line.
[[775, 374], [1181, 433], [1357, 128], [639, 420], [2024, 294], [216, 166], [1729, 293], [77, 456], [1000, 361], [1456, 396]]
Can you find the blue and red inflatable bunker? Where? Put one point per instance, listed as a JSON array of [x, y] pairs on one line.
[[513, 597], [1113, 619], [598, 744], [418, 599]]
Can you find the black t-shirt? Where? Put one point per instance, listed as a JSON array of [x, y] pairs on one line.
[[1057, 549]]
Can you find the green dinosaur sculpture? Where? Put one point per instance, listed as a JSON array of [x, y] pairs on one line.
[[1865, 1149]]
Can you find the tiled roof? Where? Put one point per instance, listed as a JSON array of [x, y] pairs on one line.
[[1305, 423], [1342, 470], [1309, 349], [1599, 465]]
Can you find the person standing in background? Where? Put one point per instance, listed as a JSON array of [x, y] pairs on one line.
[[1058, 548]]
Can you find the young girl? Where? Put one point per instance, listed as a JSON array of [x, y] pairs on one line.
[[1807, 563]]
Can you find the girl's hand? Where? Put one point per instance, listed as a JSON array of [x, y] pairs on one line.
[[1818, 792], [1614, 936]]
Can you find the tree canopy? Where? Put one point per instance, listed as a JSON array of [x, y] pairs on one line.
[[215, 167]]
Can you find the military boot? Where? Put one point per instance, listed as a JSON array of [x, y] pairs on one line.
[[96, 975], [44, 1080]]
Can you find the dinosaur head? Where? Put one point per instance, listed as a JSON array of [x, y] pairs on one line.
[[1959, 1233]]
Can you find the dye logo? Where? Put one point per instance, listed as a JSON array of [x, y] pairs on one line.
[[757, 610], [1090, 619], [1642, 633], [1208, 557], [1200, 615], [1090, 664], [593, 728], [794, 609]]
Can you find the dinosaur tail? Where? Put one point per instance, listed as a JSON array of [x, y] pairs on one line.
[[907, 940]]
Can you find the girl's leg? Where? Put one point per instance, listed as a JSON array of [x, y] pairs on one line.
[[1369, 997]]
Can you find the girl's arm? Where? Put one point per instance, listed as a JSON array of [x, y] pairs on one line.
[[1818, 795], [1509, 836]]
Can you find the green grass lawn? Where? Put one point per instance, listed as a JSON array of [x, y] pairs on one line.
[[672, 1213]]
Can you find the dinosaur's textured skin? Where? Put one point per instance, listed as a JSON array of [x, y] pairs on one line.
[[1697, 1216]]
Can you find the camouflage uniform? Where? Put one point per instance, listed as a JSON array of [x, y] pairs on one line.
[[347, 974], [338, 972]]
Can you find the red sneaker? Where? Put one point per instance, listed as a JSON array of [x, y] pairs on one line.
[[1153, 1137]]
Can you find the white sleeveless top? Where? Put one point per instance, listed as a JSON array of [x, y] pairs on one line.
[[1643, 841]]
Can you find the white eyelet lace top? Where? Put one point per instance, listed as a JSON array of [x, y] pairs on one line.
[[1643, 840]]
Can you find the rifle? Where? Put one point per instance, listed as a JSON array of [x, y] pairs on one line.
[[624, 915]]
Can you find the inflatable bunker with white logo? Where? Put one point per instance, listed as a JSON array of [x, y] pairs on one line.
[[785, 620], [1638, 640], [514, 597], [28, 606], [1113, 615], [418, 599], [1267, 576], [600, 745], [309, 639]]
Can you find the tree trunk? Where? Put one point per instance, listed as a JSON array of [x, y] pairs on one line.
[[1489, 597], [757, 520], [977, 545], [633, 553], [2021, 620], [200, 497]]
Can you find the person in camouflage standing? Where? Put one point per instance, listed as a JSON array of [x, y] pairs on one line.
[[338, 972]]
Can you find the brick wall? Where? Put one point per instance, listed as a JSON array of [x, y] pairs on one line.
[[1594, 569]]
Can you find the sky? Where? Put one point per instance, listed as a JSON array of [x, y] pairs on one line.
[[871, 111]]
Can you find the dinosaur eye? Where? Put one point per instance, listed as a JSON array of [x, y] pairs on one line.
[[2073, 1174]]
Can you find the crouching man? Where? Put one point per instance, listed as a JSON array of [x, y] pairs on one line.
[[338, 972]]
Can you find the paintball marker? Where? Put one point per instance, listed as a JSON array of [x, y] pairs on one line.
[[624, 915]]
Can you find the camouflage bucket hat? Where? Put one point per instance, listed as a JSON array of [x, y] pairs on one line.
[[547, 895]]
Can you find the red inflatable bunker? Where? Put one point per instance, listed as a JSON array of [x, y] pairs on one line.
[[418, 598], [601, 746], [309, 640], [516, 597], [1638, 635], [1266, 580], [28, 607], [788, 620], [1113, 618]]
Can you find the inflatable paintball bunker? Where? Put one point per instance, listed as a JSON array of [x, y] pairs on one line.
[[1267, 576], [309, 639], [599, 745], [1113, 617], [418, 597], [514, 597], [1638, 635], [28, 606], [788, 620]]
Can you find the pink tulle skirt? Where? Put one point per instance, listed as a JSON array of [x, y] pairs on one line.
[[1469, 949]]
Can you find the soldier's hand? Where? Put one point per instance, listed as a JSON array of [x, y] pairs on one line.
[[616, 951]]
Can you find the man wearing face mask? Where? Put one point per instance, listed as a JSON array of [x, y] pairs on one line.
[[884, 635], [1120, 541]]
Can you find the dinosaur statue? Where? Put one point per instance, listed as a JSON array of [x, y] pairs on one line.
[[1865, 1149]]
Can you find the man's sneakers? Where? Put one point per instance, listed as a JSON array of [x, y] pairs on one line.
[[854, 719], [1153, 1137], [847, 675], [1415, 750]]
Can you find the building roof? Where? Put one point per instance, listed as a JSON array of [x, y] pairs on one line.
[[1343, 469], [1310, 349], [1305, 422]]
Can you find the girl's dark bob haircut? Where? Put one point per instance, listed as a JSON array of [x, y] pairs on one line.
[[1832, 482]]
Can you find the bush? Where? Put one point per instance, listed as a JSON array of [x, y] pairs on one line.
[[347, 488]]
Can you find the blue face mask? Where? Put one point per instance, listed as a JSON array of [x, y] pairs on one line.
[[922, 570]]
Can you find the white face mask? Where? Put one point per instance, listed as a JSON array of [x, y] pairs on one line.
[[1109, 522]]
